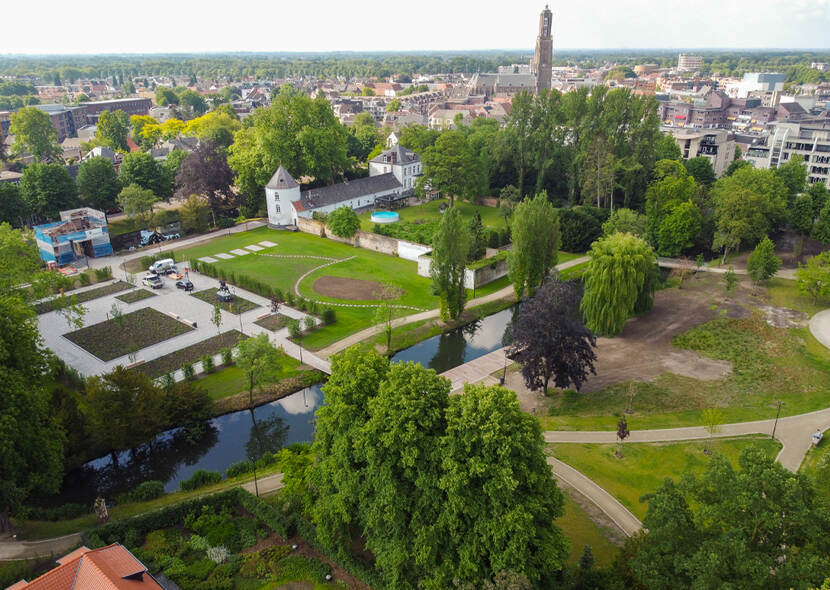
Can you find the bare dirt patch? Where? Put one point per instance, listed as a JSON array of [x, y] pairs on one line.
[[352, 289]]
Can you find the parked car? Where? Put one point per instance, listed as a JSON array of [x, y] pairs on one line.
[[162, 266], [186, 285], [153, 281]]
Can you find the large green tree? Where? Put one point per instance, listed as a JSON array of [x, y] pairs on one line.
[[762, 263], [112, 130], [450, 246], [98, 183], [343, 222], [205, 172], [756, 527], [793, 173], [137, 202], [814, 277], [31, 460], [451, 167], [142, 169], [700, 168], [13, 209], [47, 189], [260, 362], [534, 228], [672, 185], [33, 133], [620, 280]]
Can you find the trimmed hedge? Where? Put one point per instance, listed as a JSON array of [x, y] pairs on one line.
[[242, 281]]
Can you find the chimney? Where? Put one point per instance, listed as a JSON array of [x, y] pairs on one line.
[[394, 157]]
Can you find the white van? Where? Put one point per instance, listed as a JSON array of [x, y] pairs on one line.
[[160, 266]]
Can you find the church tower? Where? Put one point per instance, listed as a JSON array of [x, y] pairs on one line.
[[543, 58]]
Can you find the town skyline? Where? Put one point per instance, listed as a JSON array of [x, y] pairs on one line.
[[330, 27]]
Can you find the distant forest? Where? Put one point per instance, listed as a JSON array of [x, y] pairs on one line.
[[236, 67]]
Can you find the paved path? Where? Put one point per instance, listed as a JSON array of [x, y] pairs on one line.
[[794, 433], [820, 327], [784, 273], [476, 370], [610, 506], [14, 550], [353, 339]]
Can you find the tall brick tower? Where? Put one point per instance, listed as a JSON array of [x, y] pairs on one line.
[[543, 58]]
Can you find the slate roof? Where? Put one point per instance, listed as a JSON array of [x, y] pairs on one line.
[[281, 180], [402, 156], [353, 189]]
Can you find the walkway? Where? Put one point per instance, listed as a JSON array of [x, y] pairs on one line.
[[820, 327], [476, 370], [358, 337], [610, 506], [15, 550], [793, 432]]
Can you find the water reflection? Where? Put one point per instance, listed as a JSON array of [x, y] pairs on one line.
[[174, 455], [459, 346]]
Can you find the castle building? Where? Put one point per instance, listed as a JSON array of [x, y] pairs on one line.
[[543, 57]]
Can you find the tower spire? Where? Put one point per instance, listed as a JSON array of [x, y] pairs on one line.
[[543, 57]]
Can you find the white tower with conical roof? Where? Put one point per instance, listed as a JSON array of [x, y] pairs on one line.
[[281, 192]]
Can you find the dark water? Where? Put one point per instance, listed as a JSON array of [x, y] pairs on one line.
[[445, 351], [176, 454]]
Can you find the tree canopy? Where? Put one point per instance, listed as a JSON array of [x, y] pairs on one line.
[[33, 133], [205, 172], [98, 184], [534, 228], [142, 169], [112, 129], [450, 246], [47, 189], [343, 222]]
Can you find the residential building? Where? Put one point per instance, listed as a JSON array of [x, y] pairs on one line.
[[5, 122], [820, 66], [403, 163], [80, 233], [645, 69], [66, 120], [808, 139], [756, 82], [108, 568], [131, 106], [687, 62], [543, 56], [717, 145]]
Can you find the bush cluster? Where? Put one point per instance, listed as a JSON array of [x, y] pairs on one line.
[[102, 274], [240, 280], [200, 479], [148, 490], [147, 261]]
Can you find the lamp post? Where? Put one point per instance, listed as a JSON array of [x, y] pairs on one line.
[[775, 425]]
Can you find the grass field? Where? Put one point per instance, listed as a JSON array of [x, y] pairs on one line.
[[132, 332], [581, 530], [644, 466], [282, 273], [229, 381], [769, 364]]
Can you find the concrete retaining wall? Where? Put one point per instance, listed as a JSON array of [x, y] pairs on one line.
[[472, 278]]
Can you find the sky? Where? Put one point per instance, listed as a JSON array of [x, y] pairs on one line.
[[187, 26]]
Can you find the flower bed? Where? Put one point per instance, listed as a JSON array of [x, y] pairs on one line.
[[135, 295], [237, 306], [50, 305], [273, 322], [191, 354], [129, 333]]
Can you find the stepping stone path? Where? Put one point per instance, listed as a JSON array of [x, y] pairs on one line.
[[224, 256], [254, 248], [267, 244], [240, 252], [207, 259]]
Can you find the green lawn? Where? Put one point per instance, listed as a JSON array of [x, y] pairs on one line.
[[232, 380], [581, 530], [816, 465], [490, 216], [282, 273], [784, 293], [770, 364], [644, 466]]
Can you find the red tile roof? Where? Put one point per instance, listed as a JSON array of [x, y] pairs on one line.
[[132, 145], [107, 568]]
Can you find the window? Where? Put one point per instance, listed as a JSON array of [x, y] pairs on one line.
[[277, 207]]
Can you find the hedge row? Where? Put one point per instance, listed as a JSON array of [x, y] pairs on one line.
[[240, 280]]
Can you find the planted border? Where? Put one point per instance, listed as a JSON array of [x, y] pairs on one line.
[[82, 297], [131, 332], [191, 354], [136, 295], [236, 307]]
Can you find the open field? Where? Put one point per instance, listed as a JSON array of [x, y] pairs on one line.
[[663, 367], [283, 272], [644, 466], [116, 287], [228, 381], [131, 332], [816, 465]]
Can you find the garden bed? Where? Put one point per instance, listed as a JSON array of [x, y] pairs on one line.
[[191, 354], [136, 295], [237, 306], [116, 287], [273, 322], [129, 333]]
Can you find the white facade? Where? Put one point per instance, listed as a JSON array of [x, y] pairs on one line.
[[403, 163], [281, 192]]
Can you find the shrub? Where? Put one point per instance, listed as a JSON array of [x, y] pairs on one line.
[[329, 316], [301, 303], [225, 222], [200, 569], [200, 479], [227, 357], [148, 490], [198, 543], [579, 228], [310, 323], [289, 298], [238, 468], [168, 381], [278, 294], [102, 274], [218, 554], [84, 278], [207, 363], [132, 539], [189, 371], [493, 239]]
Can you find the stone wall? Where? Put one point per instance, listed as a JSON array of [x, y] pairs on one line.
[[472, 278]]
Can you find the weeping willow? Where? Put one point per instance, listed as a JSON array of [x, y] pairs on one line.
[[620, 280]]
